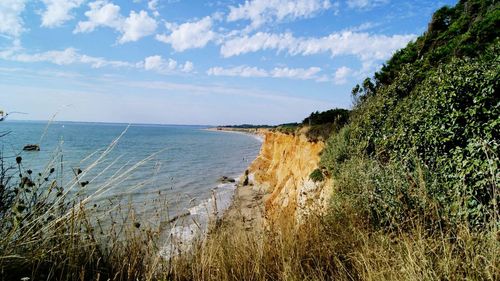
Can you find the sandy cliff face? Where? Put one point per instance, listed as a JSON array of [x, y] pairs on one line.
[[282, 172]]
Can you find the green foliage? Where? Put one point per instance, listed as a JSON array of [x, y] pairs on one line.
[[246, 126], [323, 124], [321, 132], [432, 114], [288, 129], [337, 150], [450, 122], [465, 30], [317, 176], [395, 195], [338, 116]]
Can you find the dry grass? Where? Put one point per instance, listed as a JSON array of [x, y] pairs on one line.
[[53, 230], [63, 237], [332, 248], [327, 249]]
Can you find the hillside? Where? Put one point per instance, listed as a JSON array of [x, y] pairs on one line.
[[429, 118]]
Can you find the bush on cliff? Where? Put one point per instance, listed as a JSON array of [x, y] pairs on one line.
[[317, 176]]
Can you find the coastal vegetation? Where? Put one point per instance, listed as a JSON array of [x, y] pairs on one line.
[[414, 168], [431, 114], [318, 125]]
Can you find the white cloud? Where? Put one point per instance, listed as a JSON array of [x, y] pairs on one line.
[[262, 11], [341, 75], [103, 13], [296, 73], [71, 56], [257, 42], [187, 67], [285, 72], [365, 46], [157, 63], [58, 11], [165, 66], [66, 57], [136, 26], [240, 71], [11, 23], [153, 6], [189, 35], [365, 4]]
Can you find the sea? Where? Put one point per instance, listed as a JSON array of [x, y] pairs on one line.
[[148, 168]]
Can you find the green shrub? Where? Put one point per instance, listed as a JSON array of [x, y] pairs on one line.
[[337, 150], [288, 129], [317, 176], [435, 114], [338, 116]]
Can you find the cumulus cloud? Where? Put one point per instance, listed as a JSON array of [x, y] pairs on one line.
[[365, 4], [11, 23], [105, 14], [341, 75], [365, 46], [101, 13], [188, 35], [187, 67], [157, 63], [136, 26], [284, 72], [58, 11], [166, 66], [262, 11]]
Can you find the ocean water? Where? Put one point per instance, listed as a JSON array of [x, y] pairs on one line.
[[180, 165]]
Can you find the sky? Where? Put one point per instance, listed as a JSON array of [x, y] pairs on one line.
[[195, 62]]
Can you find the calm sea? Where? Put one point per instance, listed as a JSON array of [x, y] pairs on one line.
[[180, 164]]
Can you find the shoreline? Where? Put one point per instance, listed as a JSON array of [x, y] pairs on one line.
[[255, 133], [246, 210]]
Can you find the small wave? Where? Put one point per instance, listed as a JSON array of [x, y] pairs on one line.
[[195, 221]]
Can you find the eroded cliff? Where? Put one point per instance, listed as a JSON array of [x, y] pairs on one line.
[[281, 171]]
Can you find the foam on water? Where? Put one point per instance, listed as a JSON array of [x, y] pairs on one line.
[[181, 236]]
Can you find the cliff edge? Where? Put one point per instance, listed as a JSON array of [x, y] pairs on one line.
[[280, 174]]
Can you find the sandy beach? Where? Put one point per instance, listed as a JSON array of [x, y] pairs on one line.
[[247, 209], [256, 133]]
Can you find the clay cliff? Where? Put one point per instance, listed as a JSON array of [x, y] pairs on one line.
[[281, 172]]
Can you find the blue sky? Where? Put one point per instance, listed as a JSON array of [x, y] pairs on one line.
[[195, 62]]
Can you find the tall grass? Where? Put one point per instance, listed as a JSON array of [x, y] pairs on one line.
[[52, 229], [51, 232], [342, 249], [60, 236]]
